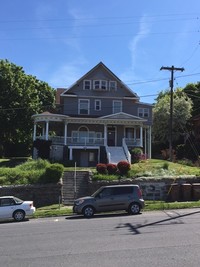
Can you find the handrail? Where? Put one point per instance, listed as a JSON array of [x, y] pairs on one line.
[[126, 151]]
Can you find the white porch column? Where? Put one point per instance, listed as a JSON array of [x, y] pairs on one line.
[[70, 154], [65, 134], [105, 135], [47, 131], [141, 136], [145, 141], [149, 154], [34, 131]]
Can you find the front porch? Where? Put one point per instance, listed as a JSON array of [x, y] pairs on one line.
[[88, 137]]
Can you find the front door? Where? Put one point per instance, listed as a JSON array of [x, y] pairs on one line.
[[111, 136], [84, 159]]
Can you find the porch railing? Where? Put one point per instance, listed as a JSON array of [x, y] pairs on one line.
[[132, 142], [81, 141]]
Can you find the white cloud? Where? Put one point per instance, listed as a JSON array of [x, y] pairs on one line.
[[135, 51], [67, 74]]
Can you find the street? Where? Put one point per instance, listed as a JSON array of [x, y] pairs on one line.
[[162, 238]]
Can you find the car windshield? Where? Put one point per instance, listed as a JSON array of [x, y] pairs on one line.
[[18, 200], [97, 192]]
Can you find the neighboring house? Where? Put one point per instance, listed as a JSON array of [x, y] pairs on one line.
[[100, 120]]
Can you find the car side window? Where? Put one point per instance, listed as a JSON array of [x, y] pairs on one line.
[[106, 192], [7, 202], [123, 190]]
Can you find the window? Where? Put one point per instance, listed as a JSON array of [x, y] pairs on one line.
[[117, 106], [143, 112], [86, 84], [100, 85], [112, 85], [97, 105], [84, 106], [91, 156]]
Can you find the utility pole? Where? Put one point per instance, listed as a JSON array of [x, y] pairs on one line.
[[172, 69]]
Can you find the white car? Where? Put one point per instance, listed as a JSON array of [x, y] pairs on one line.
[[13, 207]]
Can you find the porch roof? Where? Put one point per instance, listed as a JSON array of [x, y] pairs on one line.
[[114, 119]]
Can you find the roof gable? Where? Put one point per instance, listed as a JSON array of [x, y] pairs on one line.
[[122, 115], [106, 74]]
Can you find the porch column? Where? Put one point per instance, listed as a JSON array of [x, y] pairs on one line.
[[145, 142], [141, 136], [47, 130], [70, 154], [65, 134], [149, 154], [34, 131], [105, 134]]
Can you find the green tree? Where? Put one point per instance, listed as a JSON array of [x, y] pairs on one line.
[[193, 92], [182, 109], [21, 96]]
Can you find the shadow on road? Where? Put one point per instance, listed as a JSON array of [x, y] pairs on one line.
[[135, 228]]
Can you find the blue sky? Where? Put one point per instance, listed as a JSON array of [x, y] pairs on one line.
[[58, 41]]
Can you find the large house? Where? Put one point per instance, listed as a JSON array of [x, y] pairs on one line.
[[100, 119]]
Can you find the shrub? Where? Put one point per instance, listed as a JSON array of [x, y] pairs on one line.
[[111, 168], [101, 168], [165, 166], [123, 167], [52, 174], [136, 155]]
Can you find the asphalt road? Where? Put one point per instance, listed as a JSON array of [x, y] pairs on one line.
[[167, 238]]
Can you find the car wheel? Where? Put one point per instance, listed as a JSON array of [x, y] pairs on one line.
[[88, 211], [134, 208], [19, 215]]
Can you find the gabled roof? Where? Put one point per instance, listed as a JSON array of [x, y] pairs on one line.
[[100, 64], [122, 115]]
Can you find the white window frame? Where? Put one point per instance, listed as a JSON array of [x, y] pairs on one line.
[[97, 103], [143, 112], [100, 85], [112, 85], [88, 106], [88, 85], [114, 107]]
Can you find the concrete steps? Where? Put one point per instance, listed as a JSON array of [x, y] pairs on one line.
[[70, 180], [116, 154]]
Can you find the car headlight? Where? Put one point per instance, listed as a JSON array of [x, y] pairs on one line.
[[79, 202]]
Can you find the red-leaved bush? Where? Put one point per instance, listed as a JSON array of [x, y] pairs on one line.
[[111, 168], [101, 168], [123, 167]]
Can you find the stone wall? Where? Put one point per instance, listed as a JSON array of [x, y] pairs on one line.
[[42, 195], [159, 188]]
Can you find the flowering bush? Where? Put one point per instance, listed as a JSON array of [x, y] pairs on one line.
[[111, 168], [123, 167], [101, 168]]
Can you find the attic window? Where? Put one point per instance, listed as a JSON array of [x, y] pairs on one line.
[[112, 85], [100, 85], [86, 84]]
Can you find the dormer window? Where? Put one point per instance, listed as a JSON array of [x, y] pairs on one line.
[[100, 85], [86, 84]]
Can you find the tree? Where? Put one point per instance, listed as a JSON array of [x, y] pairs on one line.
[[182, 109], [21, 96], [193, 92]]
